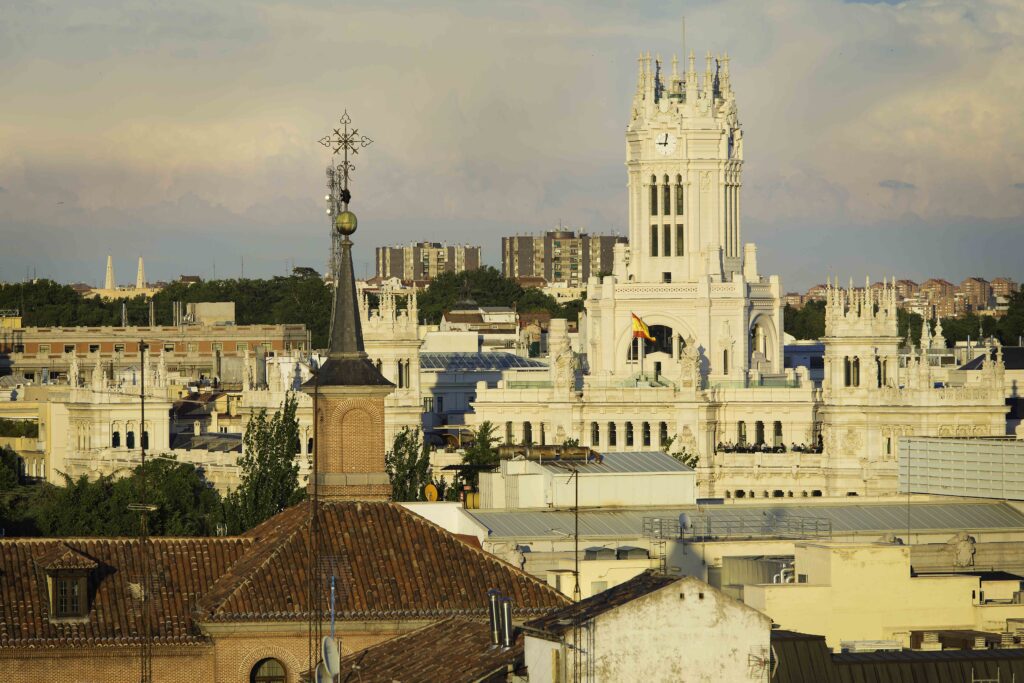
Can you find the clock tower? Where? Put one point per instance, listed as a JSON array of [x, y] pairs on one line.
[[684, 155]]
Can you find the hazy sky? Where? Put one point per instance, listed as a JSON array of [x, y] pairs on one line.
[[879, 138]]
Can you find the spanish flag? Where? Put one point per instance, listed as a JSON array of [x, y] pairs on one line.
[[640, 330]]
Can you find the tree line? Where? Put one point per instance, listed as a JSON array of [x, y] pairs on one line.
[[809, 323]]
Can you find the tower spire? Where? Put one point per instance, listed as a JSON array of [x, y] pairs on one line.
[[108, 282]]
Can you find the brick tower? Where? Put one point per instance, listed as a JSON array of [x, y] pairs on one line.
[[348, 392]]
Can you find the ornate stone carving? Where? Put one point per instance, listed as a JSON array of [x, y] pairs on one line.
[[962, 547]]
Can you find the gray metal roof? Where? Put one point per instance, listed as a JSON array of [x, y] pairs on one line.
[[619, 462], [480, 361], [845, 518]]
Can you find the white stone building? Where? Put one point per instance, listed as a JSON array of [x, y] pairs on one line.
[[712, 383]]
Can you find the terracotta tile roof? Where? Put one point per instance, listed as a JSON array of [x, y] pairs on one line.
[[392, 564], [184, 570], [560, 621], [467, 656]]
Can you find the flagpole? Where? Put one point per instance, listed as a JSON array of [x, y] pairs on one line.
[[640, 351]]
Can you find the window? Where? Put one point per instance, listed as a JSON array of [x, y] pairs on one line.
[[428, 404], [70, 594], [268, 671], [115, 440], [647, 433], [440, 404], [629, 433], [662, 433], [680, 241], [612, 434], [169, 347], [242, 346], [218, 347], [777, 434], [595, 434], [666, 277], [679, 195], [192, 347], [725, 362], [654, 196], [145, 439], [69, 348], [847, 372], [19, 348], [855, 364], [666, 245], [94, 348], [129, 441], [758, 433], [654, 240], [741, 432], [666, 198], [44, 348], [527, 433], [118, 348]]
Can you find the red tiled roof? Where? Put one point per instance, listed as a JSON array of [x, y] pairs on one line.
[[184, 570], [392, 564], [454, 650]]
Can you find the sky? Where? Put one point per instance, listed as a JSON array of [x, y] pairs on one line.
[[880, 138]]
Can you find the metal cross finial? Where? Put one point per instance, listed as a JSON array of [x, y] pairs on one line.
[[343, 141]]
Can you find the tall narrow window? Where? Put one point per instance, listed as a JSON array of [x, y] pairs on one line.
[[654, 196], [129, 441], [725, 362], [612, 434], [679, 195], [741, 433], [777, 434], [654, 240], [758, 433], [856, 371], [666, 247], [647, 433], [847, 371], [595, 434], [680, 249], [662, 433], [629, 433], [527, 433], [666, 198]]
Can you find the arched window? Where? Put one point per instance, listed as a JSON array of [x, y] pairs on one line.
[[129, 440], [679, 196], [777, 434], [847, 371], [758, 433], [309, 446], [612, 434], [268, 671], [629, 433], [654, 195], [662, 433], [741, 433], [595, 434], [662, 342], [115, 440], [647, 433], [666, 198]]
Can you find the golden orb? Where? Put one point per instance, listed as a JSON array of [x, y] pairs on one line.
[[345, 223]]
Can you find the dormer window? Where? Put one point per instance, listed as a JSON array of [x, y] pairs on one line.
[[67, 582], [70, 593]]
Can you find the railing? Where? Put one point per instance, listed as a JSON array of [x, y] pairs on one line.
[[763, 383], [770, 525], [514, 384]]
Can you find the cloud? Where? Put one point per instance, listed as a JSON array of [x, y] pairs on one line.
[[897, 185], [488, 119]]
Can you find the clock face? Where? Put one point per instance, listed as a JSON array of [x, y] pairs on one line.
[[665, 143]]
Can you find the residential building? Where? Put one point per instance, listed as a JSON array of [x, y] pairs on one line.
[[851, 592], [651, 628], [977, 294], [563, 257], [793, 299], [425, 260], [906, 289], [1004, 287]]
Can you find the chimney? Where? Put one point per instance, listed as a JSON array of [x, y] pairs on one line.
[[506, 623], [494, 615]]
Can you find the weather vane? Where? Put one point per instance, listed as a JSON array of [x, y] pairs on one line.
[[342, 141]]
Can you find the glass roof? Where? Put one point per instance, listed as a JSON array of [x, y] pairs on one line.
[[468, 362]]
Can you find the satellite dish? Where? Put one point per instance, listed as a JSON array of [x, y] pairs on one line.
[[684, 522], [331, 654], [430, 492]]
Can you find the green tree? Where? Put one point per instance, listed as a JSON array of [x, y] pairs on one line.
[[408, 466], [807, 322], [10, 472], [1011, 326], [483, 451], [688, 459], [269, 470]]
